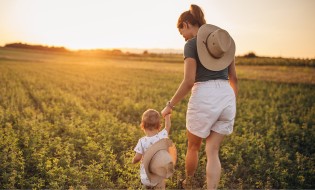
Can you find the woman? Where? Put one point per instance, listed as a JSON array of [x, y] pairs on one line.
[[209, 72]]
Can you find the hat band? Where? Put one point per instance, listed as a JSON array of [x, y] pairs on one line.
[[206, 44]]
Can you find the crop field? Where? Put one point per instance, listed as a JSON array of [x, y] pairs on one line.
[[72, 121]]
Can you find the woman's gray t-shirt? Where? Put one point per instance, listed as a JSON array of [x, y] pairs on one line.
[[202, 74]]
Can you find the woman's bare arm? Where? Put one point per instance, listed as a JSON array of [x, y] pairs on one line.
[[184, 88], [233, 77]]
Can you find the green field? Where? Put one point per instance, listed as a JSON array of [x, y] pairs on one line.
[[72, 121]]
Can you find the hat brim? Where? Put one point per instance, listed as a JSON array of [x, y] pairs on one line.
[[209, 62], [163, 144]]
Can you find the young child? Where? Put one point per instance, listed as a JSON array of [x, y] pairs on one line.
[[151, 125]]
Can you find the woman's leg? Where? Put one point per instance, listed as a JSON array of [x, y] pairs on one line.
[[194, 144], [213, 169]]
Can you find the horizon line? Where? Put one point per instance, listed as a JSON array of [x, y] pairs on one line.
[[138, 50]]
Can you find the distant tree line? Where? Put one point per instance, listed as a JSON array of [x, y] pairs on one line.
[[99, 52], [36, 47], [250, 55]]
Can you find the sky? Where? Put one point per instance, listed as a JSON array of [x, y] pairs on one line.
[[273, 28]]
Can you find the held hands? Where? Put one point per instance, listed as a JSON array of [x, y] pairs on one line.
[[166, 113], [167, 110]]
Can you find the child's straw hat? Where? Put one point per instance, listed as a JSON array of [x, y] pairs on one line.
[[159, 160]]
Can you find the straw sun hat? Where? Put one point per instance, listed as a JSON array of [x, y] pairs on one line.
[[216, 48], [159, 160]]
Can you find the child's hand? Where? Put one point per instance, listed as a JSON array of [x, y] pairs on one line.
[[168, 122], [137, 158]]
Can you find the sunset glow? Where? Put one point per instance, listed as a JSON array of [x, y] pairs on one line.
[[270, 28]]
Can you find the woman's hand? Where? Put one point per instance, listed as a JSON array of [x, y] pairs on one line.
[[167, 110]]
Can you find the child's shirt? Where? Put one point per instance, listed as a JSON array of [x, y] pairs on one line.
[[143, 144]]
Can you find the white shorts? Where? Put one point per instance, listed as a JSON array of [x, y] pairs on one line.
[[211, 107]]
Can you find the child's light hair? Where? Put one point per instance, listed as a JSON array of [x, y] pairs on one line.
[[150, 120]]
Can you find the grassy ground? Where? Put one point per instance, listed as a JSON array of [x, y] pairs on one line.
[[73, 120]]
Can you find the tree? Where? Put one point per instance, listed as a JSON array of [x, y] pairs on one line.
[[250, 55]]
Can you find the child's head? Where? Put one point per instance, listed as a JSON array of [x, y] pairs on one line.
[[150, 120]]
